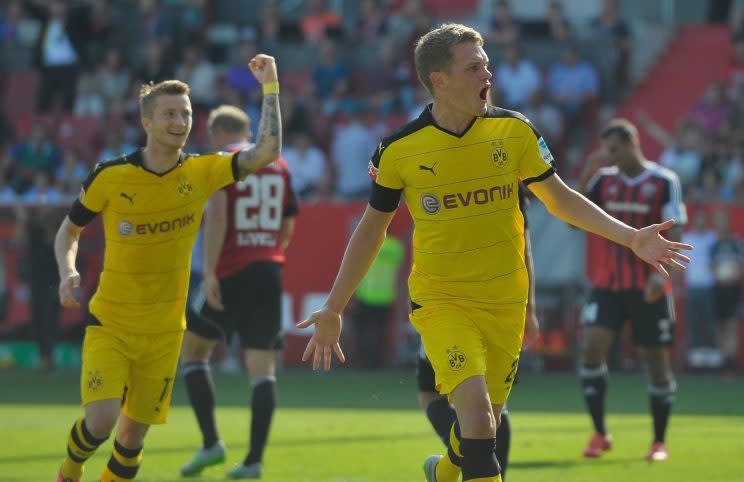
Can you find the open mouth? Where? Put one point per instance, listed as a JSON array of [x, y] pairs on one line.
[[484, 92]]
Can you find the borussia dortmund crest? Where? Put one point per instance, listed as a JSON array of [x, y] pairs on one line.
[[499, 156], [95, 381], [456, 358], [184, 186]]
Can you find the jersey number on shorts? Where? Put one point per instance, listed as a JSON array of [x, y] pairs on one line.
[[261, 205], [164, 393], [510, 376]]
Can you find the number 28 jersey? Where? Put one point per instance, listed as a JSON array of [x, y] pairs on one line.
[[256, 207]]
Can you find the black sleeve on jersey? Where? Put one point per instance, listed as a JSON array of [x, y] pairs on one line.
[[541, 177], [234, 162], [384, 198], [523, 204], [292, 207], [80, 215]]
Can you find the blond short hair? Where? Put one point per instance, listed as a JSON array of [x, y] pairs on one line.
[[150, 91], [229, 119], [433, 51]]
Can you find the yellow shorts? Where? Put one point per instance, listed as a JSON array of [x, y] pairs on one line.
[[463, 340], [139, 367]]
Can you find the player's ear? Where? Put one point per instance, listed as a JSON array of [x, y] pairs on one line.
[[145, 121], [438, 79]]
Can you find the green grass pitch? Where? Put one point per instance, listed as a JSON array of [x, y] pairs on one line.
[[350, 426]]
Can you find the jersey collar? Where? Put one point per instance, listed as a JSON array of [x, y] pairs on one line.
[[427, 116], [137, 159]]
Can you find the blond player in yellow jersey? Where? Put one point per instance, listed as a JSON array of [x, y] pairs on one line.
[[151, 203], [458, 166]]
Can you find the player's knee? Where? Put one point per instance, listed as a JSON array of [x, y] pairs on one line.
[[592, 354], [479, 423], [260, 364], [101, 423]]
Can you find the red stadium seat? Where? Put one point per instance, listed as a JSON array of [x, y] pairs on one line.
[[19, 95], [297, 81], [447, 9], [82, 134]]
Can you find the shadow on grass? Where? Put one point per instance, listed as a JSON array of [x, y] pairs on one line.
[[188, 449], [566, 464], [397, 390]]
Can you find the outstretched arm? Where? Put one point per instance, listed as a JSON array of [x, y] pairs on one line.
[[65, 250], [361, 251], [573, 208], [269, 140]]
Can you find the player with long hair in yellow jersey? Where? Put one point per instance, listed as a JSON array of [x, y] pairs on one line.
[[151, 202], [458, 165]]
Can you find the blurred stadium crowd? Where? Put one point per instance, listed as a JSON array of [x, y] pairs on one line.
[[347, 70], [70, 73]]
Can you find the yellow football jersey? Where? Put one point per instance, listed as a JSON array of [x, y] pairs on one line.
[[463, 195], [150, 222]]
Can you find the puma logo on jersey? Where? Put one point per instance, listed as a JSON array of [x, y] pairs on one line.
[[430, 169], [128, 197]]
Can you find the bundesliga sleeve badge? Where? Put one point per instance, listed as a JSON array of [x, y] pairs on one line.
[[542, 147], [372, 171]]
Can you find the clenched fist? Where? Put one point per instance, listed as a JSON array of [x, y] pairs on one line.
[[263, 68]]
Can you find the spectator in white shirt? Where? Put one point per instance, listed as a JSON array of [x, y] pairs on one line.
[[350, 153], [307, 164], [517, 78], [700, 281], [201, 76]]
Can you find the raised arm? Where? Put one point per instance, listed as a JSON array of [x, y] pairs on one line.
[[269, 139], [65, 250], [361, 251], [573, 208]]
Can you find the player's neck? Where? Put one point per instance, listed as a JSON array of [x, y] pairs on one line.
[[450, 118], [159, 158], [633, 168]]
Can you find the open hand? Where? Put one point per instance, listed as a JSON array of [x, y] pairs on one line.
[[649, 245], [327, 333]]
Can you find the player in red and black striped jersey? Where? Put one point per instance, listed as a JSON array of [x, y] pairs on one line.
[[639, 193], [248, 226]]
